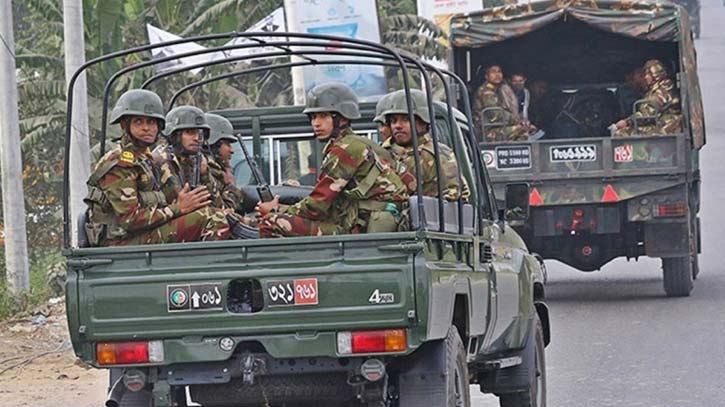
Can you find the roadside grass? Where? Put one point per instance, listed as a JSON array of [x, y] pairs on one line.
[[40, 289]]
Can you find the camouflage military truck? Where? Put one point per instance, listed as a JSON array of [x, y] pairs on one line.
[[595, 197], [404, 318]]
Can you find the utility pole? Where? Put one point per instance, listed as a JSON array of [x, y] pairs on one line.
[[16, 247], [75, 56]]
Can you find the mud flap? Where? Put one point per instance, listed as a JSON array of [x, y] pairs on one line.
[[515, 378], [666, 239], [423, 380]]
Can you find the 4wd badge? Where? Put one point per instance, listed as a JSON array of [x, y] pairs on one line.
[[624, 154]]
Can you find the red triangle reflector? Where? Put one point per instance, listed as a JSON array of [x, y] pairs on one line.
[[535, 198], [610, 195]]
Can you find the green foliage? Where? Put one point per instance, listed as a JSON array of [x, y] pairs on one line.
[[41, 262]]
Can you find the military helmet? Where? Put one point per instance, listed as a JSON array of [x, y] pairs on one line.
[[138, 102], [333, 97], [655, 68], [382, 105], [398, 104], [186, 117], [220, 129]]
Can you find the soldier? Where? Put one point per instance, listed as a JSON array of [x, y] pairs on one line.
[[659, 113], [125, 203], [220, 148], [401, 147], [383, 126], [182, 161], [357, 190], [505, 123]]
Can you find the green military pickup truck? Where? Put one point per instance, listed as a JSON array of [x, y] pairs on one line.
[[382, 319], [595, 197]]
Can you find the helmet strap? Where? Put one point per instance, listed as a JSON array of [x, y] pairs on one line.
[[337, 127]]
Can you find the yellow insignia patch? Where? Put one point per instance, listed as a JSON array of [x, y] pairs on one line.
[[144, 178], [127, 157]]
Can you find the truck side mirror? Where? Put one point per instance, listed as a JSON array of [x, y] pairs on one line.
[[517, 202]]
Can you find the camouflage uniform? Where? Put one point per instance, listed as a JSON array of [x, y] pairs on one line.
[[355, 183], [230, 196], [357, 189], [500, 124], [176, 170], [449, 167], [659, 113], [127, 207], [125, 203], [405, 156]]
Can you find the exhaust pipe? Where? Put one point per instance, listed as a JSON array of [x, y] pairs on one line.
[[116, 394]]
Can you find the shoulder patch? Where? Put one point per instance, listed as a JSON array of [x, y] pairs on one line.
[[127, 157]]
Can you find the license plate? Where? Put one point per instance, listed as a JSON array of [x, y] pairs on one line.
[[292, 292]]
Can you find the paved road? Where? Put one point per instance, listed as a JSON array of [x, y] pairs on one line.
[[617, 341]]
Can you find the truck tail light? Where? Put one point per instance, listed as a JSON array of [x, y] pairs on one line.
[[671, 209], [381, 341], [128, 353]]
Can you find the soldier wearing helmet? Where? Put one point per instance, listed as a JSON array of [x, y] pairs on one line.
[[383, 126], [502, 122], [126, 205], [401, 147], [357, 189], [659, 112], [220, 151]]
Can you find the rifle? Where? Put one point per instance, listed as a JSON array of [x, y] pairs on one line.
[[265, 195], [196, 178]]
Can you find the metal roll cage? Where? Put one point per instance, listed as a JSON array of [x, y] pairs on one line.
[[380, 54]]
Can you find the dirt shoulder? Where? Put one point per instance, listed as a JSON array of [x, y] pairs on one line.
[[38, 367]]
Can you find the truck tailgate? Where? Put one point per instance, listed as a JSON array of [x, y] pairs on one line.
[[166, 291], [591, 170]]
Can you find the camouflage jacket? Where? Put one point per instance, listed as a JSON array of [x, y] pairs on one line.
[[231, 196], [449, 166], [487, 97], [662, 100], [353, 171], [177, 170], [124, 194]]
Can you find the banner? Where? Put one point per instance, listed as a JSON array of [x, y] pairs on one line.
[[441, 11], [157, 35], [272, 23], [343, 18]]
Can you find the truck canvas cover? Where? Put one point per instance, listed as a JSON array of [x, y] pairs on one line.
[[640, 20]]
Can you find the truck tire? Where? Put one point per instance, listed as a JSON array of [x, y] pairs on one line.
[[677, 276], [535, 395], [437, 374], [459, 392]]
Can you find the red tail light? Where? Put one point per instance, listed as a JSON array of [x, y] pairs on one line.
[[382, 341], [671, 209], [127, 353]]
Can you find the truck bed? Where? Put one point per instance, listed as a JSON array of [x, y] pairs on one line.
[[297, 288]]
